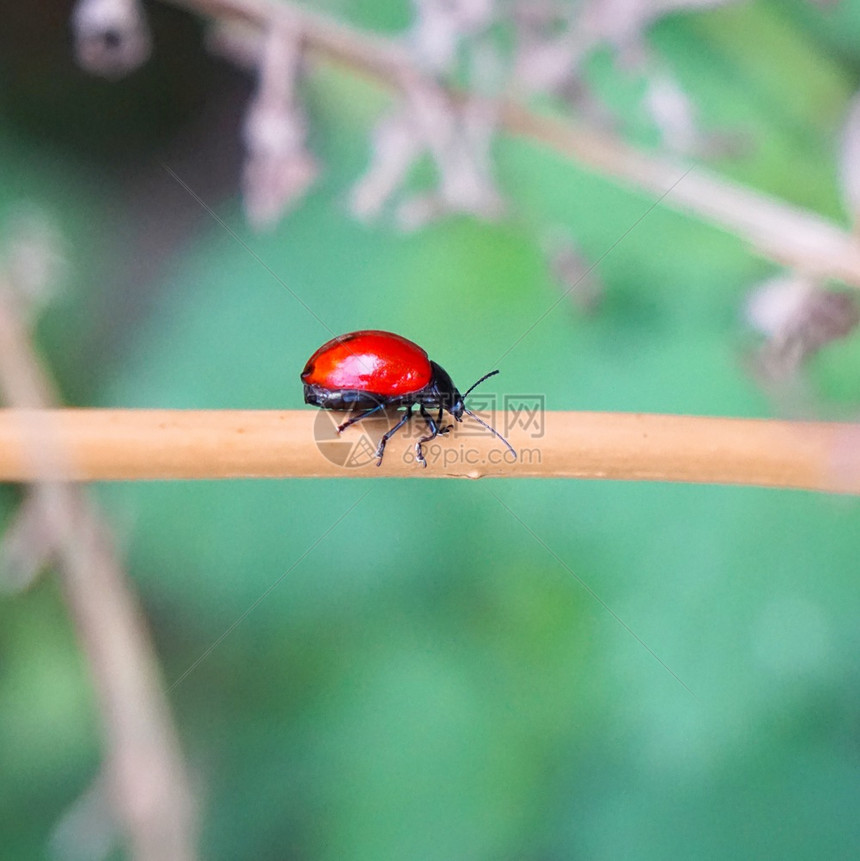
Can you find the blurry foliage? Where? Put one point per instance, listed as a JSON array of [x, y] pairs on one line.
[[429, 682]]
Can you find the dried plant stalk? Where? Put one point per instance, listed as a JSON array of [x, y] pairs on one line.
[[104, 445], [148, 787]]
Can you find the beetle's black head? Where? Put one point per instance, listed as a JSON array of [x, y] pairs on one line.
[[448, 394], [451, 399]]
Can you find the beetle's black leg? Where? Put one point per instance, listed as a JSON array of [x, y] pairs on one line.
[[390, 433], [359, 417], [434, 432], [447, 428], [432, 423]]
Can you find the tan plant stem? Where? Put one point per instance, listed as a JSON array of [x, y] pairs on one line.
[[127, 445], [148, 785], [787, 234]]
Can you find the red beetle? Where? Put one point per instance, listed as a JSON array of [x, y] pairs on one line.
[[371, 370]]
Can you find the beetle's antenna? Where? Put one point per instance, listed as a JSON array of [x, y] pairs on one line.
[[485, 377], [481, 421], [491, 429]]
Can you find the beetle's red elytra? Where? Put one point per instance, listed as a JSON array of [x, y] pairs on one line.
[[371, 370]]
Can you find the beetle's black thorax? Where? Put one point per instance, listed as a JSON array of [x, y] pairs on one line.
[[441, 391]]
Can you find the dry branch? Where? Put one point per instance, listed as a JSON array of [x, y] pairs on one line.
[[102, 445], [144, 770], [784, 233]]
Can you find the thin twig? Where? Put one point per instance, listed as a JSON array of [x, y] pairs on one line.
[[775, 229], [148, 786], [104, 445]]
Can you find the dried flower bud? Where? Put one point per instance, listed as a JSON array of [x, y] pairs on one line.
[[777, 305], [278, 168], [550, 46], [673, 113], [571, 270], [798, 317], [111, 36], [829, 317], [441, 25], [419, 210], [395, 147], [466, 173]]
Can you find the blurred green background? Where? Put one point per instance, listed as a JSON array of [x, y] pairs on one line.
[[430, 682]]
